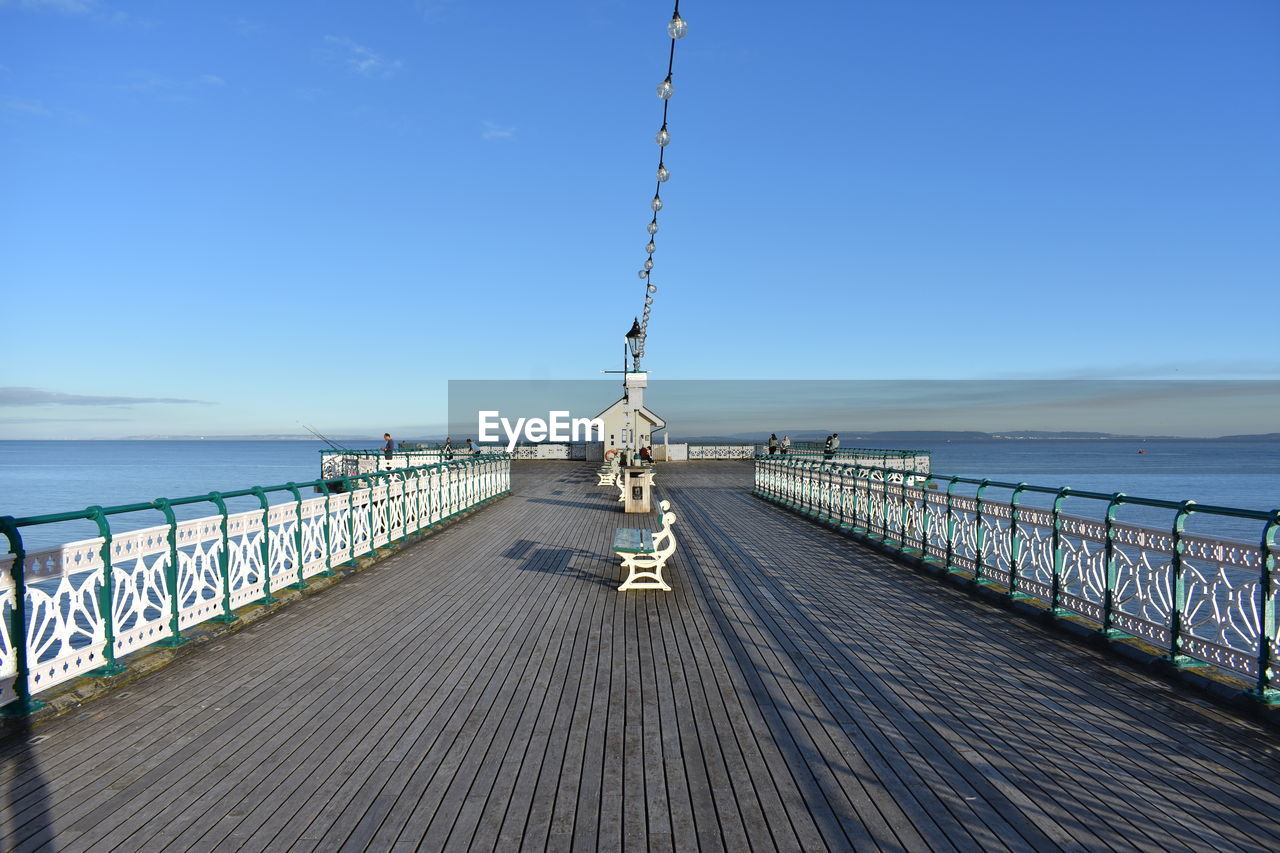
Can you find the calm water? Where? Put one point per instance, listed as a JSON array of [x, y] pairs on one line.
[[38, 477]]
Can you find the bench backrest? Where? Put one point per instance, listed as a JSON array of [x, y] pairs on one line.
[[664, 540]]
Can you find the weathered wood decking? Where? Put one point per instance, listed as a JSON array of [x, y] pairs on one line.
[[490, 689]]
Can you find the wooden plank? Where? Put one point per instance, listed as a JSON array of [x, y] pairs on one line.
[[794, 691]]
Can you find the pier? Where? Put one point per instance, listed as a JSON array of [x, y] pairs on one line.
[[489, 688]]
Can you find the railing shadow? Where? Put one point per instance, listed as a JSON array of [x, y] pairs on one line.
[[25, 792]]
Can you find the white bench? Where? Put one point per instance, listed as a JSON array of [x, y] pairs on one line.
[[645, 552], [608, 472]]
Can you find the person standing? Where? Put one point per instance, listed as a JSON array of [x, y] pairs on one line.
[[835, 442], [773, 443], [826, 448], [471, 448], [786, 444], [448, 448], [388, 448]]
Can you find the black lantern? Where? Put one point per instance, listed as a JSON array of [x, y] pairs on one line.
[[634, 338]]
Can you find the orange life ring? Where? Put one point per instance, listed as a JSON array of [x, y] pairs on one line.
[[609, 454]]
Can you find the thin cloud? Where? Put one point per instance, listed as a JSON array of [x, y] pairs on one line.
[[247, 27], [212, 80], [31, 108], [23, 396], [363, 60], [94, 9], [66, 7], [15, 421], [493, 130]]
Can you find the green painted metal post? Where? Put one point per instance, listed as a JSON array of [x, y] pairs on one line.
[[1265, 690], [951, 529], [264, 549], [22, 703], [979, 536], [904, 520], [1108, 629], [224, 562], [1015, 545], [924, 517], [1176, 626], [1059, 555], [884, 505], [106, 598], [171, 576], [300, 583]]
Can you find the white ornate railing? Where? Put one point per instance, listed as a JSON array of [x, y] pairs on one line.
[[1203, 600], [86, 604]]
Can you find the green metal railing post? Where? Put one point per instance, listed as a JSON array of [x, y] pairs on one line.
[[224, 562], [171, 576], [979, 536], [106, 598], [1265, 690], [904, 520], [22, 704], [1059, 555], [265, 547], [328, 571], [925, 521], [300, 583], [949, 557], [1176, 626], [1015, 545], [1108, 629], [884, 506]]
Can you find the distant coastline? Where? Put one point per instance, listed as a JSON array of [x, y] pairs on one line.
[[796, 435]]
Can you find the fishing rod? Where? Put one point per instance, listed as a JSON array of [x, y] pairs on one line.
[[317, 434]]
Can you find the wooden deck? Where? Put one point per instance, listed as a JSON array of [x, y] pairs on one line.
[[489, 688]]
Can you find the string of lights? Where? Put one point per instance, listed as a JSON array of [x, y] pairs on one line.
[[676, 29]]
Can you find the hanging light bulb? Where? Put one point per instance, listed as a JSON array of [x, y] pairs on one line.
[[648, 300], [656, 204], [652, 227], [653, 288], [677, 28], [663, 175], [665, 89], [648, 263], [662, 137], [650, 247], [643, 274]]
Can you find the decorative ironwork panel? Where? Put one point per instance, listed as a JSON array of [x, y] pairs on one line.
[[65, 633], [140, 597], [315, 554], [244, 553], [282, 544], [200, 589], [340, 523]]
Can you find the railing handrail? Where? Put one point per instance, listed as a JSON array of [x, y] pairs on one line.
[[119, 592], [1065, 491], [1201, 599], [251, 491]]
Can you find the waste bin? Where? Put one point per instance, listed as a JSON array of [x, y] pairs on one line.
[[638, 482]]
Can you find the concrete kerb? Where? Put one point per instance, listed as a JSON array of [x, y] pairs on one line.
[[72, 694], [1221, 687]]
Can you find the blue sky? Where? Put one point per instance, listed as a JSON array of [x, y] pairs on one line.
[[222, 218]]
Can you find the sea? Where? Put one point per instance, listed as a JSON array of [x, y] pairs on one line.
[[44, 477]]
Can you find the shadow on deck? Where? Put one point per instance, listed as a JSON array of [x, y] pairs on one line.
[[489, 688]]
